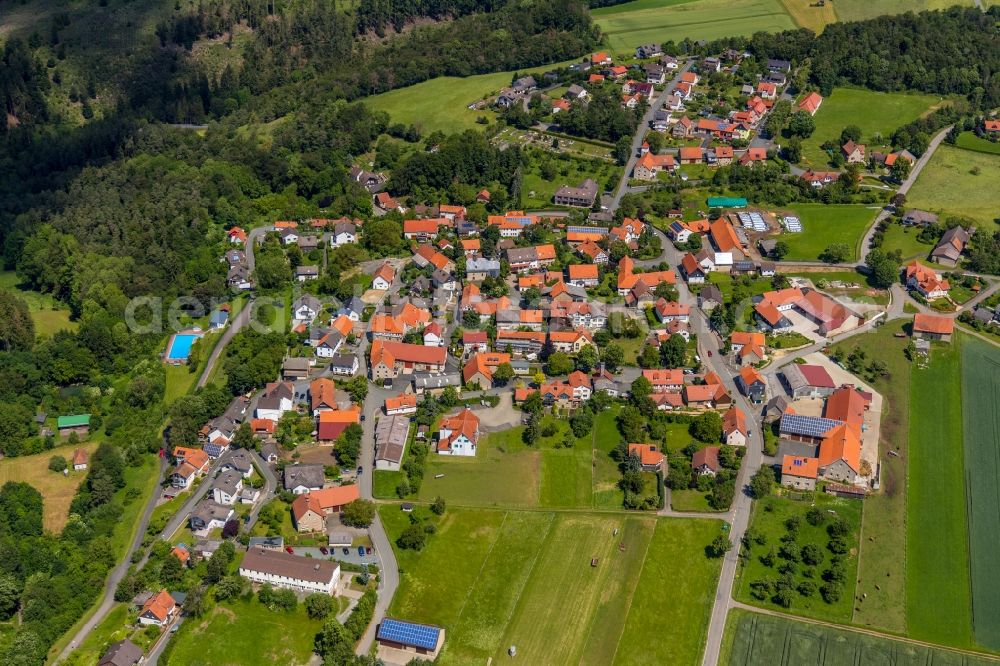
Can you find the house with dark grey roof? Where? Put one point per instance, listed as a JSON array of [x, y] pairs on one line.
[[296, 368], [301, 479], [209, 515], [240, 461], [122, 653], [226, 487], [306, 307], [583, 195], [390, 442], [709, 297], [269, 452]]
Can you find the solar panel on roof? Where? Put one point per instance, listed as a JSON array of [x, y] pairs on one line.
[[808, 426], [409, 633], [587, 230]]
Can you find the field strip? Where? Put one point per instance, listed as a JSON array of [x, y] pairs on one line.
[[628, 608], [527, 577], [655, 26], [862, 630], [468, 593]]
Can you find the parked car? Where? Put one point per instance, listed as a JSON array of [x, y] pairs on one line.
[[368, 550], [361, 550], [323, 550], [361, 470], [710, 353], [347, 551], [289, 550]]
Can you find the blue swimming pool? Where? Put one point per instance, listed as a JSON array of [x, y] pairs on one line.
[[180, 346]]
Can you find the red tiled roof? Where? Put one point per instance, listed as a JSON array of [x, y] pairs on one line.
[[928, 323], [807, 468], [647, 454], [320, 501]]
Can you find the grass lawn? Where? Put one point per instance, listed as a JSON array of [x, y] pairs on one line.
[[981, 418], [690, 500], [852, 106], [824, 225], [787, 341], [180, 379], [768, 518], [278, 637], [645, 21], [904, 239], [384, 483], [57, 490], [947, 185], [752, 639], [883, 529], [970, 141], [506, 472], [518, 577], [938, 603], [724, 281], [48, 314], [112, 628]]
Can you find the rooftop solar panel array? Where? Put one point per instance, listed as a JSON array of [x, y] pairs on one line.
[[409, 633], [807, 426], [587, 230]]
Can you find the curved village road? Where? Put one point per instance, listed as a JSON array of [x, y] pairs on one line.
[[904, 187], [116, 575], [241, 319], [655, 106]]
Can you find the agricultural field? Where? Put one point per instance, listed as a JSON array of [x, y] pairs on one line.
[[48, 314], [507, 472], [981, 419], [278, 637], [57, 490], [522, 574], [824, 225], [755, 640], [809, 14], [859, 10], [938, 604], [958, 182], [644, 21], [774, 518], [970, 141], [852, 106]]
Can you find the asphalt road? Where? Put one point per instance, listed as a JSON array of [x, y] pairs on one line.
[[655, 106], [115, 577], [905, 186], [242, 318], [389, 577]]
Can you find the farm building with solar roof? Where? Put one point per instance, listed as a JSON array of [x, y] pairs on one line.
[[399, 635]]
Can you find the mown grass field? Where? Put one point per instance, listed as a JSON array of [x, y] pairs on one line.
[[981, 421], [970, 141], [57, 490], [48, 314], [859, 10], [853, 106], [759, 640], [938, 604], [525, 579], [245, 632], [634, 23], [881, 576], [948, 186], [441, 104], [823, 225], [808, 14], [769, 516], [508, 473]]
